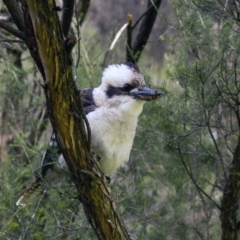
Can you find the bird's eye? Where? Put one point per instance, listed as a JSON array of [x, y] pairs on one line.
[[127, 87]]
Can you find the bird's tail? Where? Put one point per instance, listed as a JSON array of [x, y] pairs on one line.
[[30, 193]]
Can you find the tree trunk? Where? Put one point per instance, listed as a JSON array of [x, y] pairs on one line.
[[49, 50], [230, 199]]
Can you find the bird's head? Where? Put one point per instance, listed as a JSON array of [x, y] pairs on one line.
[[123, 89], [124, 83]]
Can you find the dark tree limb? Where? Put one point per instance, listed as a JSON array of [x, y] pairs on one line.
[[230, 199], [67, 14], [15, 12], [81, 9], [7, 27], [31, 39], [140, 18], [66, 114], [133, 54], [129, 36]]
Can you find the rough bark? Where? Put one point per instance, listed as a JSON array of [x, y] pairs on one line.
[[230, 200], [48, 48]]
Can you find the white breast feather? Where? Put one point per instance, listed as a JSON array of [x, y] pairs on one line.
[[113, 131]]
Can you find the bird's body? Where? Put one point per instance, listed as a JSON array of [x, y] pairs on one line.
[[114, 148], [112, 110]]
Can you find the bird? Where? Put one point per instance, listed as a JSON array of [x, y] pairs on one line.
[[112, 110]]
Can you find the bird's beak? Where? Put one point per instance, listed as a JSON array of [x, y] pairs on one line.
[[146, 94]]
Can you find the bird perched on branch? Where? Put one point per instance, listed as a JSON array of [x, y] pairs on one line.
[[112, 110]]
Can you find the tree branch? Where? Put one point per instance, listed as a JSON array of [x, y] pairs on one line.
[[230, 199], [82, 9], [129, 36], [67, 14], [194, 181], [144, 31], [12, 30], [31, 39], [63, 99], [16, 13]]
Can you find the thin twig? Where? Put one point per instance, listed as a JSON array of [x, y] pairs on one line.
[[33, 216], [67, 15], [117, 36], [193, 180], [136, 23]]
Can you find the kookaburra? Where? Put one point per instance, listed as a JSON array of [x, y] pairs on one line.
[[112, 110]]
